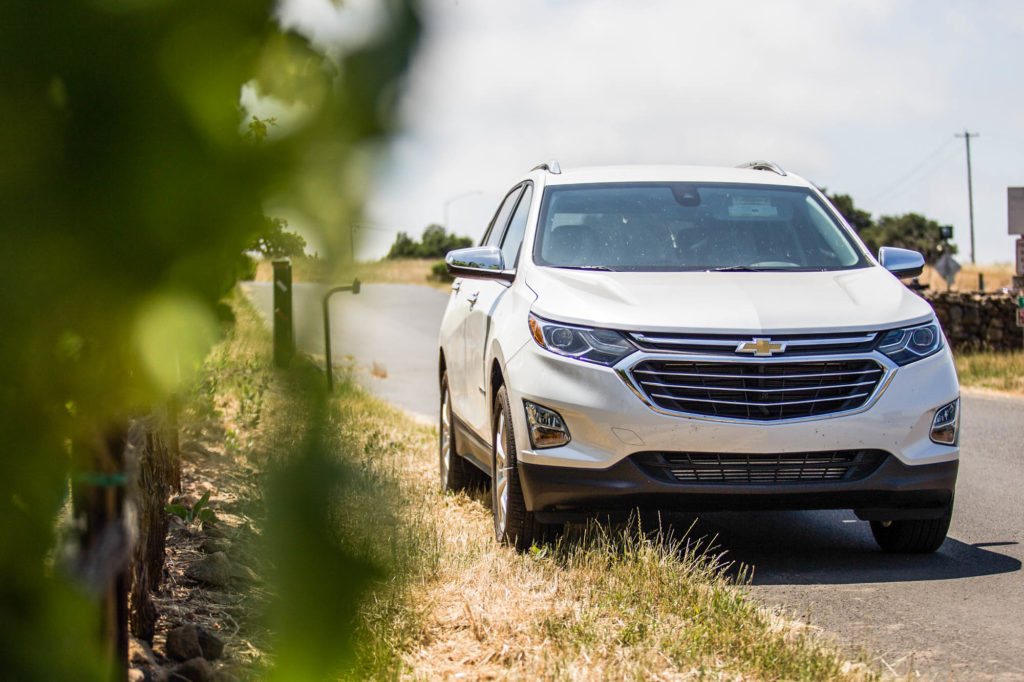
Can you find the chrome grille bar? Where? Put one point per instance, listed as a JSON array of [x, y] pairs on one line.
[[766, 376], [788, 389], [733, 342], [758, 390], [841, 398]]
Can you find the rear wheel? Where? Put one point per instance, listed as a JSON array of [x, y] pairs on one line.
[[456, 472], [513, 523], [912, 536]]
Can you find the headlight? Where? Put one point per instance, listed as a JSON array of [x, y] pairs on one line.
[[904, 346], [603, 346]]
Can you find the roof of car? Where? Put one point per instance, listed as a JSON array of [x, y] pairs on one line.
[[596, 174]]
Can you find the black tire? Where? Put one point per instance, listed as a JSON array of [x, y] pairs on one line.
[[912, 536], [456, 473], [513, 524]]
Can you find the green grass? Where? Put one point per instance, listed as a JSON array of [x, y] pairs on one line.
[[998, 371], [442, 598]]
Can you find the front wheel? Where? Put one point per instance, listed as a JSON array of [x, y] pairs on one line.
[[912, 536], [513, 523], [456, 472]]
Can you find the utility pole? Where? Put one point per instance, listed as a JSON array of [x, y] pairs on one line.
[[970, 190]]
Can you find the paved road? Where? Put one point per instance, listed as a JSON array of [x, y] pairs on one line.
[[392, 326], [955, 614]]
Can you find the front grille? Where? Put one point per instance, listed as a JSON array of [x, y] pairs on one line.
[[759, 391], [759, 468], [726, 344]]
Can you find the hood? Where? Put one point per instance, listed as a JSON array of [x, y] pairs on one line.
[[727, 302]]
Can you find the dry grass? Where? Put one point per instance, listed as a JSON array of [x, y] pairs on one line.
[[403, 271], [996, 277], [304, 269], [602, 603], [996, 371]]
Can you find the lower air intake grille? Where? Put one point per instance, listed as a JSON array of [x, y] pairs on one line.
[[759, 468], [759, 391]]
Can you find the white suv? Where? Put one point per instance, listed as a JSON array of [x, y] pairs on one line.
[[691, 338]]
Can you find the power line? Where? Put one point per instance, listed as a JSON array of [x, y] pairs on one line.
[[897, 185]]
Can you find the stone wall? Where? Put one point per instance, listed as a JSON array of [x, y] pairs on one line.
[[976, 321]]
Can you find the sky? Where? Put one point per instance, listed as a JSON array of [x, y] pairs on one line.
[[863, 98]]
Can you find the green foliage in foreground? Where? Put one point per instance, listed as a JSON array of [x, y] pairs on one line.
[[436, 243], [129, 191]]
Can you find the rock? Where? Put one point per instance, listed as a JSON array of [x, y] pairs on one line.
[[193, 670], [183, 643], [217, 530], [214, 545], [213, 569], [211, 644], [222, 675], [139, 654], [243, 572]]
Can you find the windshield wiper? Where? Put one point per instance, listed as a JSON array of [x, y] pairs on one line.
[[746, 268], [604, 268]]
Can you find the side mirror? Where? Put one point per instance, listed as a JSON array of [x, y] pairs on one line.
[[903, 263], [479, 262]]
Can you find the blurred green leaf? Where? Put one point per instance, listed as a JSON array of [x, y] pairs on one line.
[[178, 510], [129, 193]]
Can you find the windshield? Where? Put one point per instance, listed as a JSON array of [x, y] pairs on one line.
[[664, 226]]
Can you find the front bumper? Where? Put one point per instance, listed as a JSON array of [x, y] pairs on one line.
[[894, 490], [609, 423]]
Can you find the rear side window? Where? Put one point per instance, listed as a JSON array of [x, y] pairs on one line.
[[516, 229], [497, 226]]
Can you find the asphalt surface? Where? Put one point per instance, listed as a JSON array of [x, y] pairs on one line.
[[956, 614], [392, 328]]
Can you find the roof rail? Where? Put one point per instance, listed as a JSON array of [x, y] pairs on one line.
[[550, 166], [764, 165]]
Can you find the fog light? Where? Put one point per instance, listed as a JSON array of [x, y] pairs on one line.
[[547, 430], [946, 424]]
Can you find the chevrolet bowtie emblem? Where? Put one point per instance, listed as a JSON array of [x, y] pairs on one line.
[[762, 348]]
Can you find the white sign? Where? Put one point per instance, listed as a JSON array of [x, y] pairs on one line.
[[947, 267], [1015, 210], [1020, 256]]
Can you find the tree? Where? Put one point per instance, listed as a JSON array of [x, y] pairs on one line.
[[275, 241], [435, 243], [404, 247], [859, 220], [909, 231]]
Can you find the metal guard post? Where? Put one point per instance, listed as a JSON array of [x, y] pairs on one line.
[[328, 362]]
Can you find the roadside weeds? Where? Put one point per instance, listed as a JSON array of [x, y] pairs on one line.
[[446, 601]]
